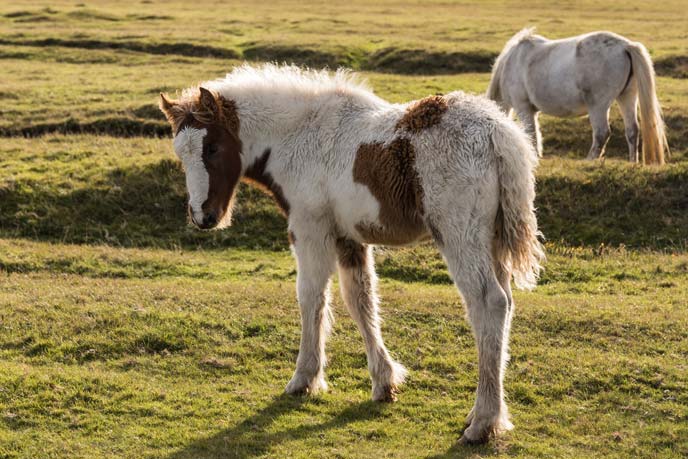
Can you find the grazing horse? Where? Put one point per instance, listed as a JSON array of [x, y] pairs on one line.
[[351, 170], [578, 75]]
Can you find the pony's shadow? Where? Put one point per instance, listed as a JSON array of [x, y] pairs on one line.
[[458, 451], [250, 438]]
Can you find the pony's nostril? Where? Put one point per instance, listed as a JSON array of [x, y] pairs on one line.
[[209, 220]]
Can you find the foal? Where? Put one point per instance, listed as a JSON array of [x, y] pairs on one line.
[[578, 75], [351, 170]]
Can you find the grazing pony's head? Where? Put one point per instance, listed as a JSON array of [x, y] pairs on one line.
[[206, 139]]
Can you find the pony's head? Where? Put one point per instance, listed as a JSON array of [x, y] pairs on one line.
[[206, 139]]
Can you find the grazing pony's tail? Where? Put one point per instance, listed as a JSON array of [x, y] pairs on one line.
[[651, 123], [516, 246]]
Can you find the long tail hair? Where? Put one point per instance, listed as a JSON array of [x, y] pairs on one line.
[[651, 123], [516, 245]]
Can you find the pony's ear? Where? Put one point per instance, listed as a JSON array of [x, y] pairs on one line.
[[172, 110], [209, 103]]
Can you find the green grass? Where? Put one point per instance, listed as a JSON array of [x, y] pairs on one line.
[[185, 354], [124, 332]]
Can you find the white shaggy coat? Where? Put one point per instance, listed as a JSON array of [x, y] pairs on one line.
[[578, 75], [476, 171]]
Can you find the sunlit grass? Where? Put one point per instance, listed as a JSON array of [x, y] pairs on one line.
[[124, 332]]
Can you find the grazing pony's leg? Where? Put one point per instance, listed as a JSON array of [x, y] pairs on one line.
[[599, 120], [315, 256], [628, 102], [358, 284], [529, 119]]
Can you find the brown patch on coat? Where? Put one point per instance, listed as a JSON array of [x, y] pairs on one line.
[[423, 114], [221, 145], [222, 160], [351, 254], [389, 173], [257, 176]]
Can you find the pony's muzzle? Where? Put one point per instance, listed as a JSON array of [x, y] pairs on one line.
[[207, 220]]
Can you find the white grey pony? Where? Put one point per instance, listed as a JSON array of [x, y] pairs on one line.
[[575, 75]]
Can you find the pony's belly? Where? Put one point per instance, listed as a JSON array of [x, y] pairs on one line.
[[561, 101], [409, 233], [562, 111]]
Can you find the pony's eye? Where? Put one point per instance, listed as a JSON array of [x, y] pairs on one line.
[[212, 149]]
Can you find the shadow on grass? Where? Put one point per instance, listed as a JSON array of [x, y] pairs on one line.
[[613, 205], [139, 206], [389, 60], [182, 49], [252, 438], [145, 206], [121, 126], [573, 136], [457, 451]]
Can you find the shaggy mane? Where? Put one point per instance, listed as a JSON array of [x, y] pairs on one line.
[[272, 80], [286, 79]]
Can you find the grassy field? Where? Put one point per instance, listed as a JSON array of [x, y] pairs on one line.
[[124, 332]]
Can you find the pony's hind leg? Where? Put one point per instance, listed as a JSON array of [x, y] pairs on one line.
[[488, 311], [358, 285], [628, 103], [599, 120], [315, 256], [465, 237]]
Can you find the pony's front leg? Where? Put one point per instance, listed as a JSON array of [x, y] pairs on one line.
[[529, 120], [599, 120], [315, 256], [358, 281]]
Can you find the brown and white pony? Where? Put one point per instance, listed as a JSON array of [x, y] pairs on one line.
[[351, 170]]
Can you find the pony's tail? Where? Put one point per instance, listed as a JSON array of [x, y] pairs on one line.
[[516, 247], [651, 123]]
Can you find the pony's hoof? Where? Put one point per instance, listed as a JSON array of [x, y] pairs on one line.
[[300, 385], [479, 429], [467, 439], [385, 394], [464, 440]]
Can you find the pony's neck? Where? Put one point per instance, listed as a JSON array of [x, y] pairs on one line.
[[267, 119]]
